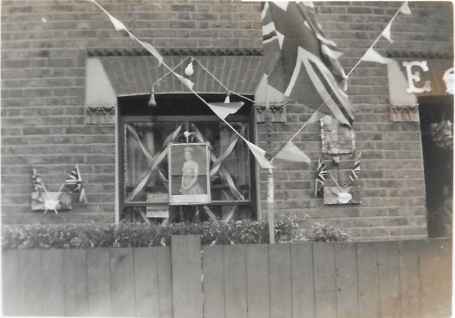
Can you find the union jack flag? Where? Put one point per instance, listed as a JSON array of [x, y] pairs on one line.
[[74, 181], [301, 61], [321, 172], [353, 176]]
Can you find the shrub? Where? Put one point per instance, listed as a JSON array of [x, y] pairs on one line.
[[325, 232], [85, 236]]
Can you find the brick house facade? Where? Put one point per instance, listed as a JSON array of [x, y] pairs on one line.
[[45, 47]]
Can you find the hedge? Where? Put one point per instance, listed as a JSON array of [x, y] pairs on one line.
[[86, 236]]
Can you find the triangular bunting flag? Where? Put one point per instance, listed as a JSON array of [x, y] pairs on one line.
[[185, 81], [386, 32], [259, 154], [405, 8], [315, 117], [152, 50], [291, 152], [223, 110], [117, 24], [373, 56]]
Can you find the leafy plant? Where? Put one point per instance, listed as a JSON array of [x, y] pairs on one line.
[[326, 232], [86, 236]]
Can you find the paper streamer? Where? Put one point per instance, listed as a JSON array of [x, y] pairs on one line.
[[152, 50], [373, 56], [291, 152], [225, 109], [185, 81], [117, 24]]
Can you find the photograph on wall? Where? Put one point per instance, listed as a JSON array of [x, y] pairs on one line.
[[189, 181]]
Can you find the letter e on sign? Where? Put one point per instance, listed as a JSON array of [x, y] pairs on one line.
[[416, 77]]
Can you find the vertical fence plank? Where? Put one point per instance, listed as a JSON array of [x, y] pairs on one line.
[[10, 283], [280, 280], [410, 279], [368, 280], [302, 280], [99, 282], [389, 279], [213, 283], [346, 280], [122, 282], [165, 282], [76, 286], [258, 282], [53, 283], [445, 261], [235, 282], [186, 270], [429, 262], [146, 282], [31, 285], [324, 280]]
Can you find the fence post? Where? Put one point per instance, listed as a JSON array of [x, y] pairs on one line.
[[186, 276]]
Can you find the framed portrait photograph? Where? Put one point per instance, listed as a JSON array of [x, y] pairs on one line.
[[189, 180]]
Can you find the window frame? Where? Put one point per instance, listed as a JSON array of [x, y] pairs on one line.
[[253, 202]]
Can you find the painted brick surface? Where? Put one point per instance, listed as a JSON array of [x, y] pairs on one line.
[[43, 84]]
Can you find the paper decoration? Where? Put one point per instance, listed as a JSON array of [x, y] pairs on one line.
[[259, 154], [353, 176], [185, 81], [74, 181], [291, 152], [347, 195], [405, 8], [386, 32], [373, 56], [223, 110], [153, 51]]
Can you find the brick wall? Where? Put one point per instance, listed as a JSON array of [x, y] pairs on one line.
[[43, 83]]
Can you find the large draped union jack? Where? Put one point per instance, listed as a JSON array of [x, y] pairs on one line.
[[301, 62]]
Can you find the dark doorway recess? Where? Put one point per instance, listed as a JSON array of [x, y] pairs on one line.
[[436, 117]]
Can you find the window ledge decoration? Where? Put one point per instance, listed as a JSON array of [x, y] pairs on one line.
[[278, 112], [405, 113], [100, 115]]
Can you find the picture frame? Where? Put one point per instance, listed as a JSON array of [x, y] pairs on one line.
[[189, 177]]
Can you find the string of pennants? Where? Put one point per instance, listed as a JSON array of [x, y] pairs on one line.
[[290, 151]]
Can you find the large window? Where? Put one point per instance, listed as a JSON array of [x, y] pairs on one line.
[[145, 138]]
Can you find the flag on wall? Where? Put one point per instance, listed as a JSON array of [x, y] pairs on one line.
[[74, 181], [38, 186], [321, 172], [301, 62], [353, 176]]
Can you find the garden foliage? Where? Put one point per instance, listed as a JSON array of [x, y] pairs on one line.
[[85, 236]]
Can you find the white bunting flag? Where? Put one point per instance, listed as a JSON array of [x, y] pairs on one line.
[[386, 32], [185, 81], [259, 154], [223, 110], [405, 8], [117, 24], [315, 117], [152, 50], [373, 56], [291, 152]]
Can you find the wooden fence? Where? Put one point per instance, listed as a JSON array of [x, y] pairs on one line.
[[320, 280]]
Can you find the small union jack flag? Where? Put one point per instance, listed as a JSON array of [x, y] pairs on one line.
[[74, 181], [353, 176], [38, 186], [321, 172]]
